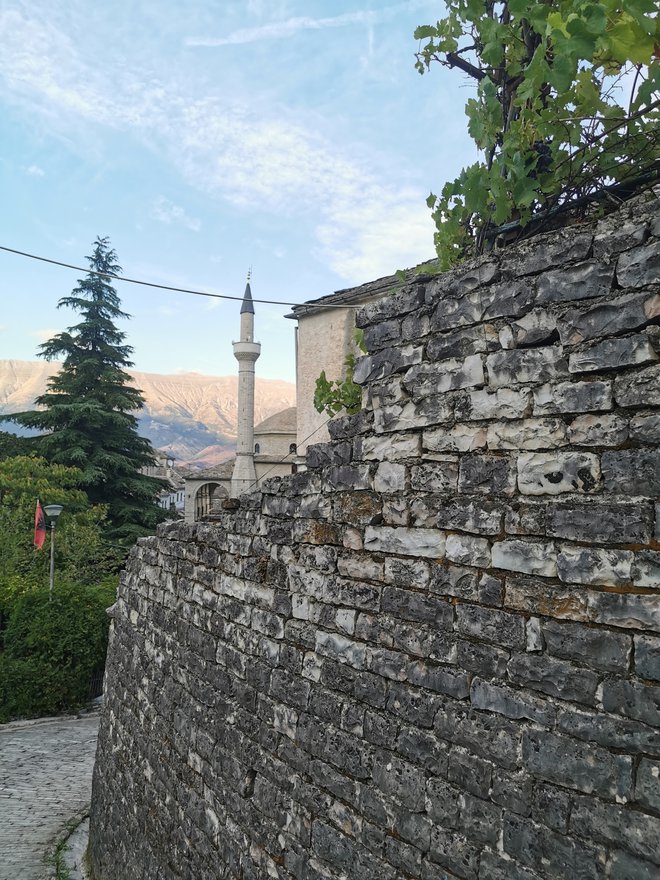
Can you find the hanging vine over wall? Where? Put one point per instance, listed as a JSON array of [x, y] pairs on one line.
[[566, 103]]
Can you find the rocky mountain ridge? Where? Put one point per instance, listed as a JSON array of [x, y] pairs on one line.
[[190, 415]]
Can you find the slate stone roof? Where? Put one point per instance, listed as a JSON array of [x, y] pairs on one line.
[[283, 422]]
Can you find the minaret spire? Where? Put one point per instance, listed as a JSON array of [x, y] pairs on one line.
[[246, 352]]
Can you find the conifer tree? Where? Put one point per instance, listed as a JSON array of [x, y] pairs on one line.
[[88, 410]]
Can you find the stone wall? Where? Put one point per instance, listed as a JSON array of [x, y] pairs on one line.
[[436, 653]]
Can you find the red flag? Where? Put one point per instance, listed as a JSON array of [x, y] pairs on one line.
[[39, 527]]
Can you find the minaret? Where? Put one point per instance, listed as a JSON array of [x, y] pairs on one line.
[[246, 352]]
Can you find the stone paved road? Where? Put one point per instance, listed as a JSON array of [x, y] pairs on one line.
[[45, 779]]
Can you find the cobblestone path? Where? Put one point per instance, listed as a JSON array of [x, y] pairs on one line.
[[45, 779]]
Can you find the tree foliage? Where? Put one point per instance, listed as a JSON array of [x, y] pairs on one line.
[[82, 554], [566, 102], [88, 410], [54, 649]]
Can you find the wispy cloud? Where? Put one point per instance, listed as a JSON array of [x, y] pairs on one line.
[[278, 30], [44, 335], [251, 156], [35, 171], [167, 212]]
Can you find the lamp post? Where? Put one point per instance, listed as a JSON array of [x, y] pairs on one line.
[[52, 511]]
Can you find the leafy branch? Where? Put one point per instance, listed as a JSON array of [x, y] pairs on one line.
[[566, 103], [333, 396]]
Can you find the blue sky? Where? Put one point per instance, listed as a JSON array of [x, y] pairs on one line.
[[209, 136]]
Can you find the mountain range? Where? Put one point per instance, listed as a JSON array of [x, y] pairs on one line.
[[189, 415]]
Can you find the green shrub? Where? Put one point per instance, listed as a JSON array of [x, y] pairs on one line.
[[53, 648]]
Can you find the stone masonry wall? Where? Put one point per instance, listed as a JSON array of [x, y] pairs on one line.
[[436, 653]]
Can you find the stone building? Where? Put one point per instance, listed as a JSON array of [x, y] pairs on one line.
[[274, 453], [324, 336]]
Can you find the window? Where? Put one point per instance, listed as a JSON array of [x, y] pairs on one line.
[[292, 448], [256, 448]]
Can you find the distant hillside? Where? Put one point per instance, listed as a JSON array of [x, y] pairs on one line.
[[188, 414]]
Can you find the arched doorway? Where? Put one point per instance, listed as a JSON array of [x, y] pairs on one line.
[[208, 498]]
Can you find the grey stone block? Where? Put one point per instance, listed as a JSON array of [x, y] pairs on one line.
[[492, 737], [533, 365], [508, 298], [609, 318], [605, 429], [623, 866], [510, 703], [414, 327], [525, 519], [625, 610], [580, 766], [468, 550], [647, 657], [611, 824], [602, 649], [621, 522], [469, 772], [613, 354], [553, 473], [548, 250], [442, 802], [552, 854], [614, 235], [381, 335], [400, 780], [484, 660], [387, 362], [646, 569], [584, 280], [504, 403], [460, 438], [632, 471], [410, 414], [440, 679], [479, 819], [641, 388], [489, 625], [535, 596], [639, 266], [400, 303], [527, 434], [609, 731], [573, 397], [645, 428], [454, 312], [529, 557], [551, 806], [632, 699], [454, 580], [647, 789], [456, 344], [424, 748], [534, 328], [486, 474], [584, 565], [406, 542], [442, 376], [411, 704], [435, 476], [455, 853], [493, 866], [557, 678], [475, 515]]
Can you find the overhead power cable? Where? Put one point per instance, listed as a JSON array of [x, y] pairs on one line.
[[271, 302]]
